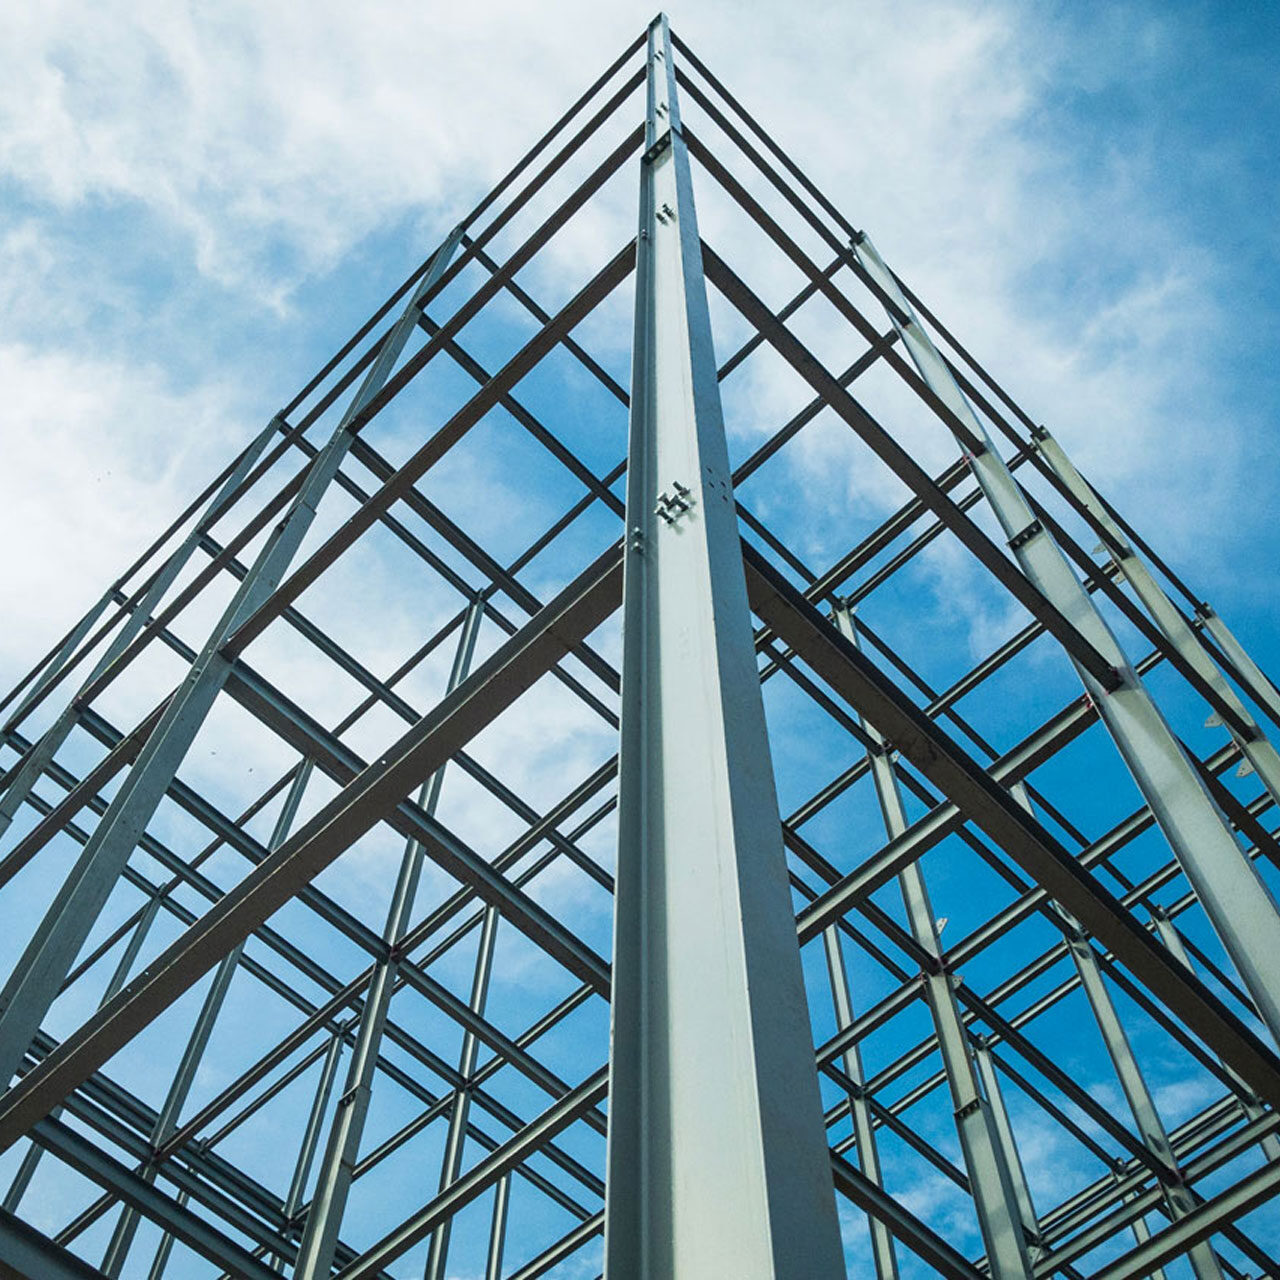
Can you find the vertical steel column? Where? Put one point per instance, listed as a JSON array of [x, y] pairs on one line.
[[180, 1087], [717, 1156], [994, 1196], [985, 1062], [1249, 1103], [451, 1164], [498, 1229], [42, 751], [1233, 895], [35, 980], [864, 1133], [1168, 617], [337, 1169], [1155, 1137], [1263, 687], [310, 1138]]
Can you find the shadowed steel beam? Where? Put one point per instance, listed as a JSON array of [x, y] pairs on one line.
[[54, 662], [205, 1159], [31, 1157], [1123, 1060], [1234, 896], [563, 1248], [944, 763], [1138, 1095], [185, 1076], [1169, 935], [25, 1252], [916, 1235], [586, 603], [311, 1137], [483, 1175], [1199, 1224], [38, 974], [85, 1156], [717, 1160], [1137, 1199], [991, 1184]]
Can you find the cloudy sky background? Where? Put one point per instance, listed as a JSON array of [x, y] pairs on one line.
[[198, 206]]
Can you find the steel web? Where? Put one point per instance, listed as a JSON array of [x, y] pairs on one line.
[[357, 1021]]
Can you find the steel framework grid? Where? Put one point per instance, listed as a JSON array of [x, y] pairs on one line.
[[225, 1063]]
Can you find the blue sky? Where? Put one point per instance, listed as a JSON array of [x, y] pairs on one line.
[[196, 209]]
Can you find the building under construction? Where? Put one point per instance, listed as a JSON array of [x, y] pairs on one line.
[[651, 763]]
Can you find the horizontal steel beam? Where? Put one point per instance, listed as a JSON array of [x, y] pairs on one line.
[[921, 1239], [900, 461]]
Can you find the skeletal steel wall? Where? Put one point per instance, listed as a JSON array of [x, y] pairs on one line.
[[311, 827]]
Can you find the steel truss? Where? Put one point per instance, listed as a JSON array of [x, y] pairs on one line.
[[434, 1090]]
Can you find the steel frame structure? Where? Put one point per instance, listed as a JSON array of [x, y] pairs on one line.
[[408, 1100]]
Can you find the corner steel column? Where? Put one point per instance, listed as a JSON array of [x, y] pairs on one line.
[[717, 1155], [992, 1186], [864, 1132], [338, 1167], [35, 980], [1168, 617], [1227, 884]]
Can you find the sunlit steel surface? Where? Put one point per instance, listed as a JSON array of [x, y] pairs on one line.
[[421, 861]]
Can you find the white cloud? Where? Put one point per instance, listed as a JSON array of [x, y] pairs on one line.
[[119, 450]]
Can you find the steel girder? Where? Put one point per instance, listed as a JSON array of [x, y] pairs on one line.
[[163, 874]]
